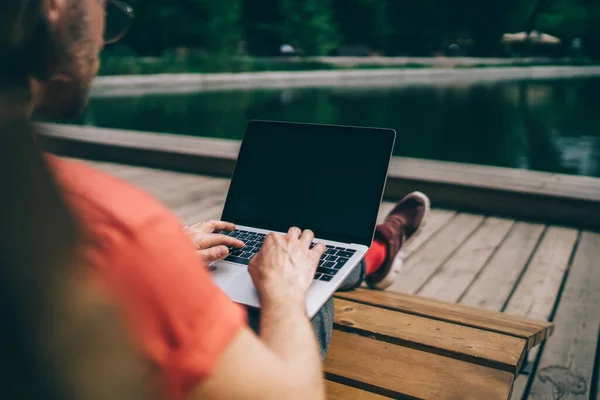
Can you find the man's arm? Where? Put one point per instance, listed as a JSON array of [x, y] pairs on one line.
[[250, 370], [287, 331], [284, 362]]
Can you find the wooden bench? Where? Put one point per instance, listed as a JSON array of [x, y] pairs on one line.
[[391, 345]]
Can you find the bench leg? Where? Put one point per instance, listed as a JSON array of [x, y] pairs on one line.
[[526, 367]]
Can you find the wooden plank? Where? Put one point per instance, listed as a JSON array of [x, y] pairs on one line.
[[175, 189], [191, 191], [422, 264], [146, 140], [455, 275], [539, 289], [177, 152], [121, 171], [398, 371], [457, 341], [529, 182], [203, 214], [515, 192], [436, 221], [101, 165], [162, 182], [439, 71], [566, 366], [184, 190], [537, 292], [106, 167], [337, 391], [206, 208], [493, 287], [158, 177], [532, 331]]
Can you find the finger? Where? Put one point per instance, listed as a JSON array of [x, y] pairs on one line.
[[307, 237], [220, 226], [213, 240], [194, 227], [216, 226], [271, 237], [319, 249], [294, 232], [200, 227], [213, 254]]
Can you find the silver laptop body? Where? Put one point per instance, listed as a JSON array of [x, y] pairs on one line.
[[329, 179]]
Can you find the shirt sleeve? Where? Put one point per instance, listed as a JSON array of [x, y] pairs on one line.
[[181, 320]]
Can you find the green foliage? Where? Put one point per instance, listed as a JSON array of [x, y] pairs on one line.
[[319, 27], [418, 27], [222, 30], [201, 63], [308, 25], [566, 19], [210, 25], [487, 21], [364, 23], [592, 36], [261, 25]]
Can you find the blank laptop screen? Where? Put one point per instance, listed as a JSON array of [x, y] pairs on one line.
[[328, 179]]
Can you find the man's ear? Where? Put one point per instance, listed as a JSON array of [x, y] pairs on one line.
[[39, 51], [55, 9]]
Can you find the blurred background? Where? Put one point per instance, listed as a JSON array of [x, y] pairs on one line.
[[546, 123], [356, 28]]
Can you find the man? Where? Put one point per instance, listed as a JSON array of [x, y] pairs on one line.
[[195, 337], [50, 317]]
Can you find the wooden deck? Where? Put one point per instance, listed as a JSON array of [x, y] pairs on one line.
[[544, 272], [518, 193]]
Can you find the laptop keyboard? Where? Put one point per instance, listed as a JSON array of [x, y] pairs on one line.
[[329, 265]]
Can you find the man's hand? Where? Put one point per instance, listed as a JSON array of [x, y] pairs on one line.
[[285, 266], [285, 362], [211, 246]]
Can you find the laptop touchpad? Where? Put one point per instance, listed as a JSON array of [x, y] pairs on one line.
[[224, 274], [244, 292]]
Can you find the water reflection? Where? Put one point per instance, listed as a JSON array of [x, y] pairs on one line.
[[549, 126]]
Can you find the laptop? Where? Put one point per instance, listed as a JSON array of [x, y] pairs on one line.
[[329, 179]]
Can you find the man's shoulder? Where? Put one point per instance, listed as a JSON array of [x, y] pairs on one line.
[[97, 197]]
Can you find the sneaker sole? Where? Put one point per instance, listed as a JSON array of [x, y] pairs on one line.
[[398, 263]]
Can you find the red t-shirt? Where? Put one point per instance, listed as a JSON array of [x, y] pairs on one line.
[[180, 319]]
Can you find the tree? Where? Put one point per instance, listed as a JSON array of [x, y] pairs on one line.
[[486, 21], [393, 27], [308, 25], [210, 25], [364, 23], [261, 25], [566, 19], [418, 27], [222, 27], [591, 37]]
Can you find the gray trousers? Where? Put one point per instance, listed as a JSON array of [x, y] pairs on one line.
[[323, 321]]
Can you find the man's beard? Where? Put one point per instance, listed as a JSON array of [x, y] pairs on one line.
[[63, 98], [66, 94]]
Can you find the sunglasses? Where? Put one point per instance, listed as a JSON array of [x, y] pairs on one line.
[[119, 16]]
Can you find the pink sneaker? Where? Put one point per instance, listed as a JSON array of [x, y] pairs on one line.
[[402, 224]]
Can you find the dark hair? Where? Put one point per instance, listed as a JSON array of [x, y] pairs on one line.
[[27, 47], [59, 338], [37, 251]]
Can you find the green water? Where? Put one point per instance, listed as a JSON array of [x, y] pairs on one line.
[[543, 125]]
